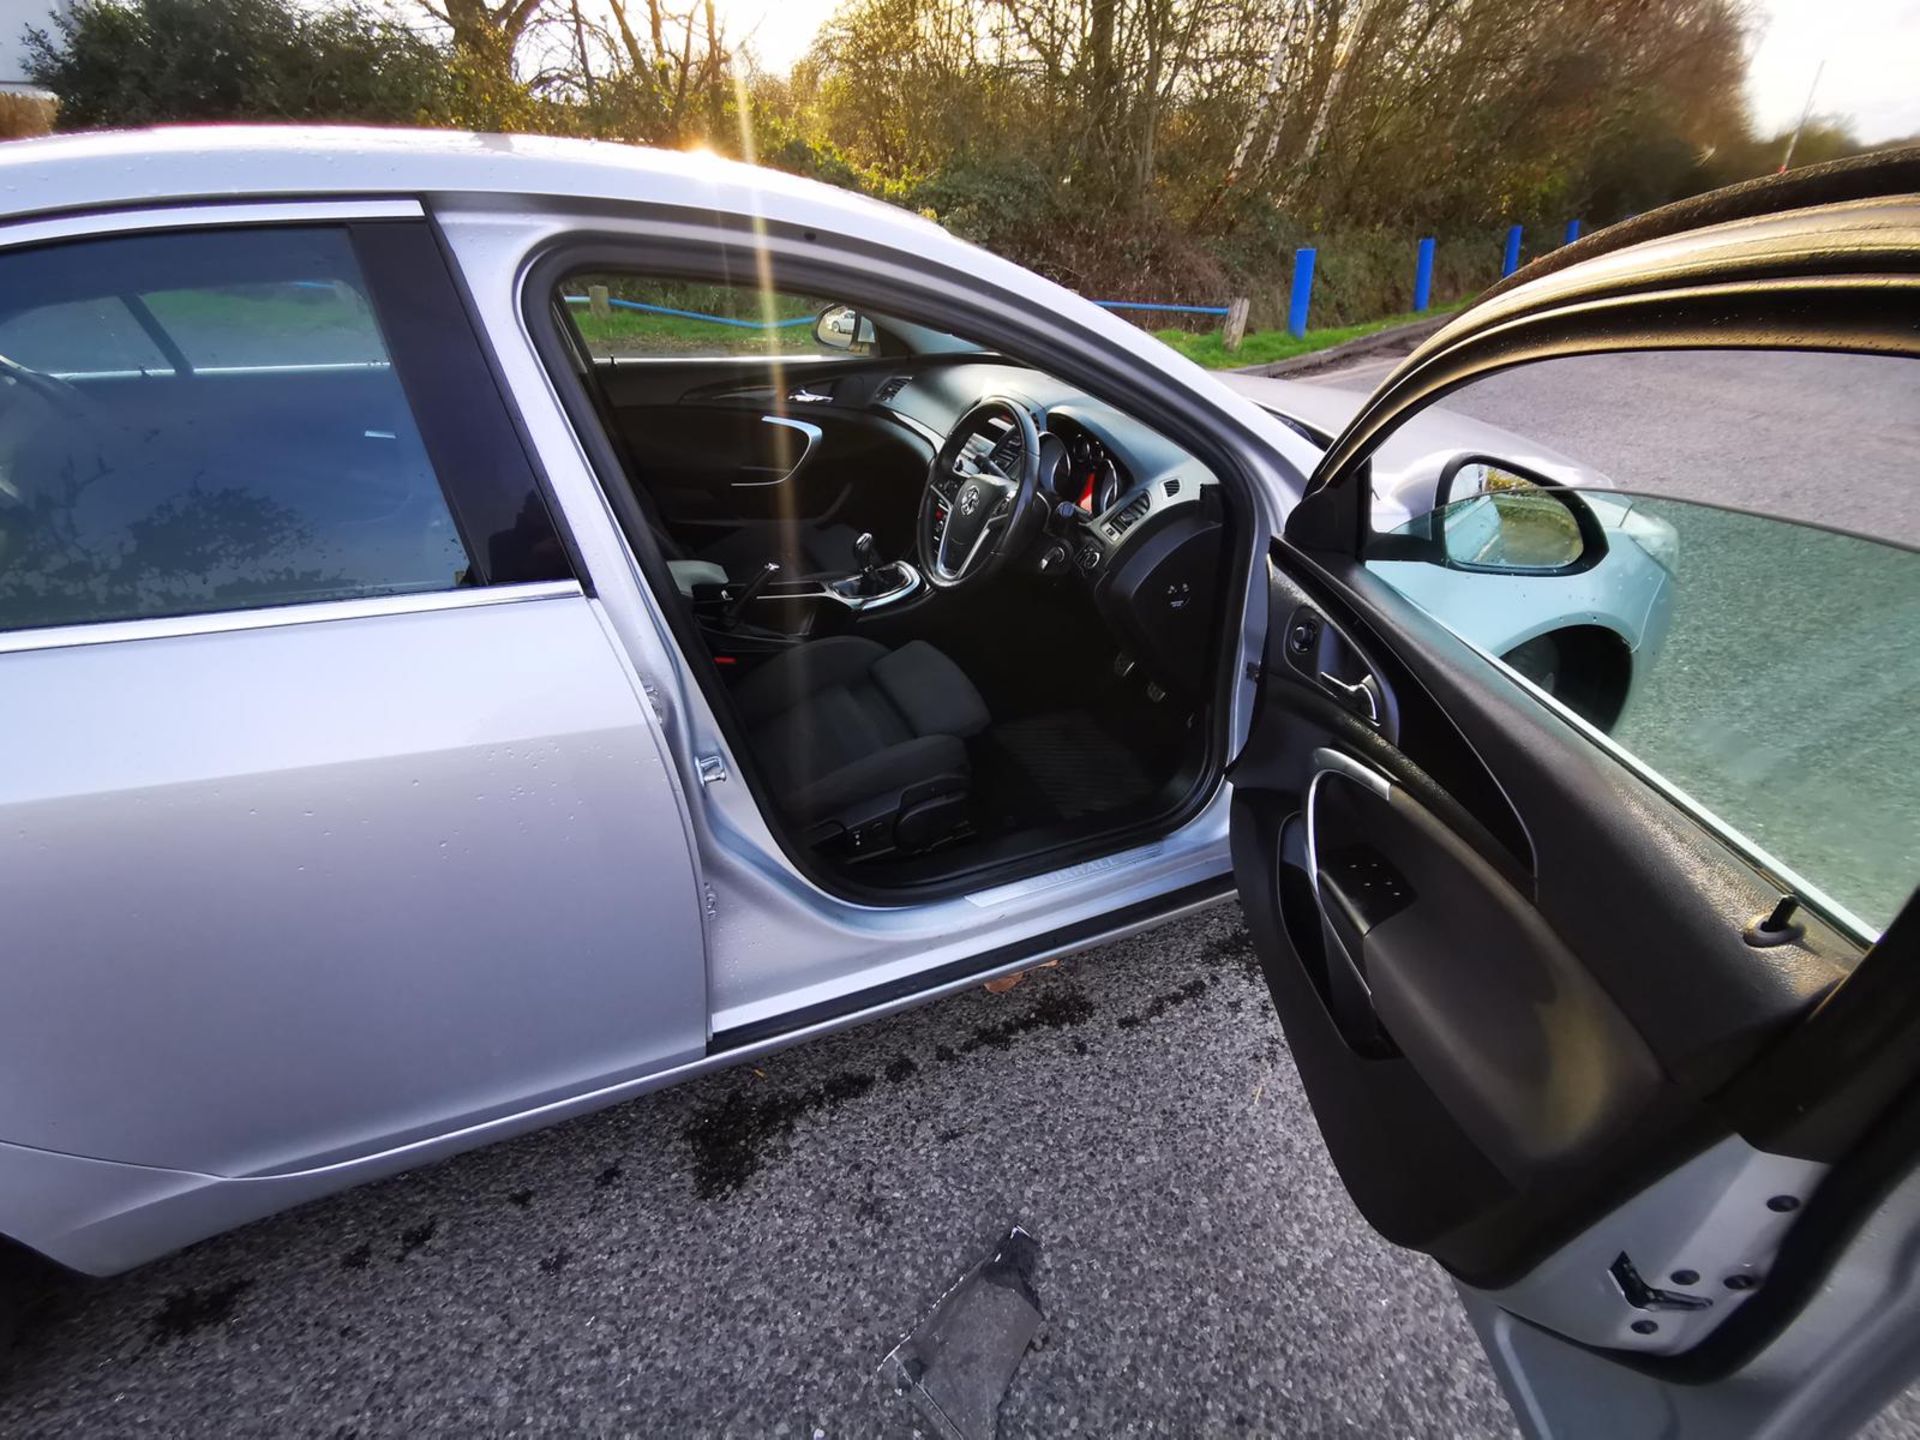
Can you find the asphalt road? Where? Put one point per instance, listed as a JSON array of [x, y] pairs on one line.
[[736, 1256], [1831, 439]]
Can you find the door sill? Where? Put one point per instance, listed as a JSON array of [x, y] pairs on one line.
[[878, 1000]]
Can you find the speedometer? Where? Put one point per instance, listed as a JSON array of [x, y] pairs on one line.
[[1091, 467], [1083, 474]]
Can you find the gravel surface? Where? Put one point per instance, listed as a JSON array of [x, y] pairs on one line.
[[735, 1256]]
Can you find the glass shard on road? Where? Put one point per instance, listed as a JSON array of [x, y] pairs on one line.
[[957, 1365]]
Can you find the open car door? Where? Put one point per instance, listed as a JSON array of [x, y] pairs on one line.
[[1651, 1096]]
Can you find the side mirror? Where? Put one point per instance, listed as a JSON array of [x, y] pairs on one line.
[[841, 327], [1494, 517]]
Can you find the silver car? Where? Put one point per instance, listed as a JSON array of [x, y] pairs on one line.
[[495, 626]]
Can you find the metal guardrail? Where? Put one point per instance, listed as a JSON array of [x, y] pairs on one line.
[[1152, 305]]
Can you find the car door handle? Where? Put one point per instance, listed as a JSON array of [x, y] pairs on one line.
[[1362, 697]]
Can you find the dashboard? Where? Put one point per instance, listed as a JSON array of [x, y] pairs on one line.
[[1131, 515], [1118, 474], [1076, 465]]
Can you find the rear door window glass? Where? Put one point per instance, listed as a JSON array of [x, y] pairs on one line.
[[97, 336], [279, 323], [204, 421]]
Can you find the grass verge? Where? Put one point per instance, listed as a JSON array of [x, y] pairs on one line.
[[1263, 347]]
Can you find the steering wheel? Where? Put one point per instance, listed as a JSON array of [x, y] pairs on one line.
[[990, 516], [65, 397], [67, 414]]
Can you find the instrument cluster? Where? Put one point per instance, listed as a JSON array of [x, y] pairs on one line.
[[1083, 473]]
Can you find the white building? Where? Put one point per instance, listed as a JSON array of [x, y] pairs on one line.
[[15, 17]]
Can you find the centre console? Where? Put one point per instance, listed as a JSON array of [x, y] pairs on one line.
[[767, 613]]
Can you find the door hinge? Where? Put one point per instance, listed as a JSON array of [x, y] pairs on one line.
[[712, 768]]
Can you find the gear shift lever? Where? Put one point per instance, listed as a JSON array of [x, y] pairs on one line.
[[868, 581]]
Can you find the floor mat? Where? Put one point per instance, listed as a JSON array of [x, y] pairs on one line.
[[1068, 764]]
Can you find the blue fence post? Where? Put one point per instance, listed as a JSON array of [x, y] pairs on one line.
[[1302, 291], [1512, 262], [1423, 276], [1573, 231]]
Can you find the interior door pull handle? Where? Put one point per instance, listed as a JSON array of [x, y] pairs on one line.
[[809, 434], [1362, 697]]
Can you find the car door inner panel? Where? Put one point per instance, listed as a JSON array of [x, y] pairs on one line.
[[1493, 1039]]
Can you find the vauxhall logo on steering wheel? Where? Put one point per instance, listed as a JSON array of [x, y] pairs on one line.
[[969, 500]]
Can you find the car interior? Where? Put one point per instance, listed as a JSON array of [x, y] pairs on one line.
[[961, 611]]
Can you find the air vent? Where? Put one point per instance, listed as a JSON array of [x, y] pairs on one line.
[[1172, 488], [889, 388], [1006, 454]]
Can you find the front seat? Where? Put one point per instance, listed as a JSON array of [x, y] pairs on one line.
[[689, 573], [864, 745]]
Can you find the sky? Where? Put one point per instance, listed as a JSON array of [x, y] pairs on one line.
[[781, 29], [1872, 54], [1872, 50]]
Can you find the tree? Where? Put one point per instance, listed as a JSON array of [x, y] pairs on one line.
[[1143, 148], [143, 62], [486, 41]]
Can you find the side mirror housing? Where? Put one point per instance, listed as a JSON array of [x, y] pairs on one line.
[[1492, 516]]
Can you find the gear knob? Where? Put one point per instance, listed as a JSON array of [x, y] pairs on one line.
[[863, 552]]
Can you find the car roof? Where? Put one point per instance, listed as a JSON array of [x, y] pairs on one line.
[[185, 164]]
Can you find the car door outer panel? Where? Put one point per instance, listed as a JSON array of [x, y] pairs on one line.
[[1498, 1115], [414, 886]]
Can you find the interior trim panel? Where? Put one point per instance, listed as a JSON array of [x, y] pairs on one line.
[[1497, 1050]]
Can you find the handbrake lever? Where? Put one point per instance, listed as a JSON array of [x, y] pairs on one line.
[[747, 596]]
